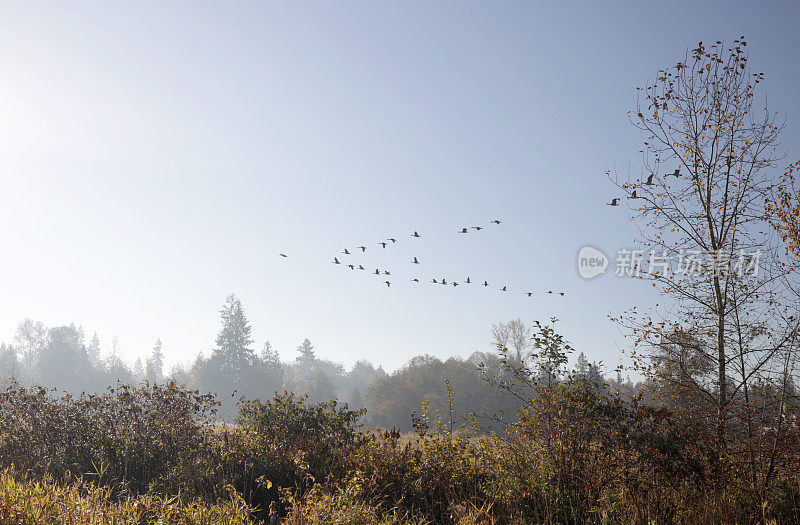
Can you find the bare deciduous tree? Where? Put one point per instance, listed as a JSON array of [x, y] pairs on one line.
[[514, 335], [708, 158], [29, 340]]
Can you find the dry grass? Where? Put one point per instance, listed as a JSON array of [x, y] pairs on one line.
[[27, 502]]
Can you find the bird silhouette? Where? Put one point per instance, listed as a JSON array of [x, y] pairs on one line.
[[550, 292], [351, 266], [479, 228], [444, 281], [416, 235], [649, 180], [504, 289], [633, 195], [496, 221], [387, 272], [388, 284], [464, 230], [377, 272], [414, 280], [455, 284], [346, 251], [434, 281], [561, 294], [383, 244], [393, 240], [530, 294], [336, 260], [363, 248], [614, 202], [283, 255], [468, 281], [485, 283], [415, 261], [361, 267], [676, 173]]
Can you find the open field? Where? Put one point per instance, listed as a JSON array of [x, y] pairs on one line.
[[155, 454]]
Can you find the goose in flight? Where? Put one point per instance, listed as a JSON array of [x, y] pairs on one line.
[[529, 294], [377, 272], [485, 283], [504, 289], [496, 221], [346, 251], [633, 195], [387, 272], [336, 260], [416, 235], [614, 202], [550, 292], [414, 280], [455, 284], [391, 239], [363, 248], [649, 181], [434, 281], [383, 244], [361, 267], [676, 173], [468, 281], [444, 281], [478, 228], [283, 255], [351, 266], [561, 294], [415, 261], [463, 230], [388, 284]]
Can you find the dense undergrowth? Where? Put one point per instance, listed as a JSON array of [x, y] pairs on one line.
[[576, 455]]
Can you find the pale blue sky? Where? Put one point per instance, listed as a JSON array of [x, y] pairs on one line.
[[156, 156]]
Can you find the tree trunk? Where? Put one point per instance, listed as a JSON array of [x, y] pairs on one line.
[[722, 398]]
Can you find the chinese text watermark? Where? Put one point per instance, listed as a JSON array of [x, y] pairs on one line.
[[592, 262]]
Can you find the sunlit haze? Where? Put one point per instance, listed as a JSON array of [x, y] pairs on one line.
[[156, 157]]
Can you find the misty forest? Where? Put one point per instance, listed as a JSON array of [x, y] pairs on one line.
[[60, 358], [691, 415]]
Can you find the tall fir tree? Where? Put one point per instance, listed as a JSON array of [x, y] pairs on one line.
[[306, 352], [155, 363], [273, 369], [269, 355], [233, 353], [138, 370], [94, 350], [582, 366]]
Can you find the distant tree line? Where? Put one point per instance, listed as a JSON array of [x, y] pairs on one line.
[[61, 358]]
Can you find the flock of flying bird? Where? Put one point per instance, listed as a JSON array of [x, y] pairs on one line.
[[442, 282], [648, 182], [392, 240]]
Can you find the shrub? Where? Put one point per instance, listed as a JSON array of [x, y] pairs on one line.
[[326, 433], [128, 438]]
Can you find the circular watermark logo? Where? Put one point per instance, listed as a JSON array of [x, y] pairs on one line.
[[591, 262]]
